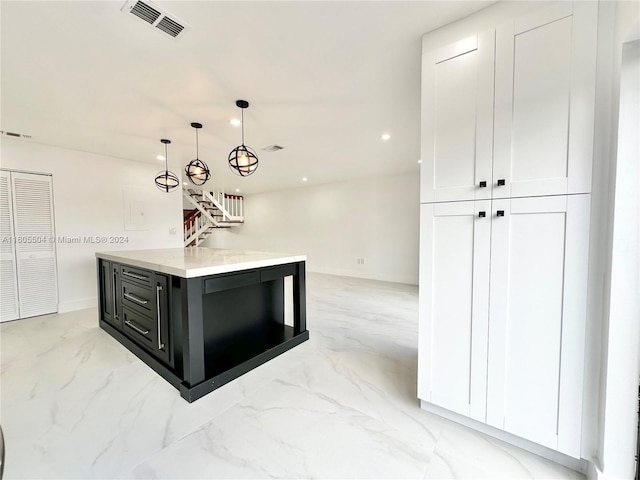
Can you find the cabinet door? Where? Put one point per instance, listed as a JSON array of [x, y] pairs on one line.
[[108, 299], [539, 256], [457, 120], [454, 295], [544, 101]]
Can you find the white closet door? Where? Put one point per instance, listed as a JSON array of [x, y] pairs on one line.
[[539, 258], [8, 276], [35, 244], [454, 295], [457, 120], [544, 103]]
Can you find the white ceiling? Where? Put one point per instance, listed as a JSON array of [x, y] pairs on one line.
[[324, 80]]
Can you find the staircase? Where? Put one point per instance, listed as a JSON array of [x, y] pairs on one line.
[[211, 210]]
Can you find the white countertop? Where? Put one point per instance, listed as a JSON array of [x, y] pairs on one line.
[[198, 261]]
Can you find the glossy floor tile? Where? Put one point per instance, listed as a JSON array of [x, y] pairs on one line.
[[76, 404]]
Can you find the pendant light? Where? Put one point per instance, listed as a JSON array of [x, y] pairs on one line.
[[166, 181], [242, 159], [197, 171]]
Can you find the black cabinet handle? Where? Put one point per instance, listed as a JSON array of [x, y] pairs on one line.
[[482, 214], [483, 184], [500, 213], [501, 182]]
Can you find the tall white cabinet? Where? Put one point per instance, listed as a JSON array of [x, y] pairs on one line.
[[507, 129]]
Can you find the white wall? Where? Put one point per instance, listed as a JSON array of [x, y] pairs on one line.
[[88, 201], [624, 305], [620, 402], [335, 224]]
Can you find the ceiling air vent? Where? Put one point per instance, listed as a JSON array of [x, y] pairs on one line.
[[156, 17], [273, 148], [15, 135]]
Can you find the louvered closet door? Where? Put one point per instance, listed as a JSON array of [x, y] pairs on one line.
[[35, 244], [8, 275]]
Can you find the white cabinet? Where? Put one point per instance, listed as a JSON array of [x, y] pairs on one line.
[[502, 313], [454, 302], [544, 101], [537, 319], [510, 112], [457, 120]]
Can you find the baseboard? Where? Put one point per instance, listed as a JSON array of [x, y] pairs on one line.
[[594, 473], [74, 305], [579, 465], [368, 275]]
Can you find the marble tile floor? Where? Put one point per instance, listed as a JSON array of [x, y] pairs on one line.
[[76, 404]]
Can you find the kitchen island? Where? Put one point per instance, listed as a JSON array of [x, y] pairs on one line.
[[201, 317]]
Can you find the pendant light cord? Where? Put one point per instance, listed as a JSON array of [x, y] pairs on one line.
[[197, 152], [166, 159], [242, 116]]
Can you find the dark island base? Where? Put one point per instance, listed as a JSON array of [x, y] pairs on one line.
[[213, 328], [195, 392]]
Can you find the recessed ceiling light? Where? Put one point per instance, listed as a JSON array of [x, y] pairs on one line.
[[235, 122], [161, 157], [385, 136], [304, 179], [237, 190], [185, 183], [419, 161]]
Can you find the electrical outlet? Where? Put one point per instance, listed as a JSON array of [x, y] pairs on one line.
[[172, 231], [360, 261]]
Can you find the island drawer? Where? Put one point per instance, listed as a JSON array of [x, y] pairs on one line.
[[139, 298], [234, 280], [137, 275], [139, 327]]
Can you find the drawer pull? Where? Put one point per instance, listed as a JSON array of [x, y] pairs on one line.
[[133, 275], [483, 184], [501, 182], [113, 294], [136, 328], [133, 298], [482, 214], [500, 213], [158, 290]]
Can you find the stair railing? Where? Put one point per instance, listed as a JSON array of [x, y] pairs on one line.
[[229, 205], [194, 227]]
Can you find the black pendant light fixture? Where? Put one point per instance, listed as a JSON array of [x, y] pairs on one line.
[[242, 159], [166, 181], [197, 171]]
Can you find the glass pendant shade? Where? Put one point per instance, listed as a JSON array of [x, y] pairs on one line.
[[243, 160], [196, 170], [166, 180]]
